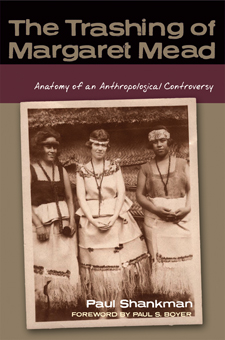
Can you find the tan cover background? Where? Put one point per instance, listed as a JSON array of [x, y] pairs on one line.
[[211, 145]]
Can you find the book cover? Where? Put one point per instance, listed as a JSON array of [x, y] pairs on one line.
[[143, 73]]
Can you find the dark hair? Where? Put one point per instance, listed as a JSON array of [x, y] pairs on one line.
[[36, 146], [160, 127], [99, 135]]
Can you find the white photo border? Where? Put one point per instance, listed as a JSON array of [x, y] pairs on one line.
[[28, 249]]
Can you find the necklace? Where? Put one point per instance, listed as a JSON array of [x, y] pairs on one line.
[[99, 185], [53, 172], [54, 188], [167, 179]]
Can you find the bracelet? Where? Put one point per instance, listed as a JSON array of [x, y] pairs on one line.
[[39, 226]]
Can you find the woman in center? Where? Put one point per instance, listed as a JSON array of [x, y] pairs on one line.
[[114, 262]]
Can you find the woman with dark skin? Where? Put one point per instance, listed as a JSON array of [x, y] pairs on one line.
[[163, 191], [54, 241]]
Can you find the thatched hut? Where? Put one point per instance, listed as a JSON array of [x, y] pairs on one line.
[[128, 128]]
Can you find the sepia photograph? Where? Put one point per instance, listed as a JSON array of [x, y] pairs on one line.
[[111, 213]]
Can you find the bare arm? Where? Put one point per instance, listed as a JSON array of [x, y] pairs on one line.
[[81, 196], [41, 231], [182, 212], [69, 200], [120, 197], [35, 219], [140, 193]]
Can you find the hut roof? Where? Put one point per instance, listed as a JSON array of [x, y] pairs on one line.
[[70, 116]]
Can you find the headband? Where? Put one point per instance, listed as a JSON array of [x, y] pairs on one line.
[[51, 143], [97, 141], [158, 134]]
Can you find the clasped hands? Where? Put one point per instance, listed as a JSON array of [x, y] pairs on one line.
[[172, 216], [103, 226]]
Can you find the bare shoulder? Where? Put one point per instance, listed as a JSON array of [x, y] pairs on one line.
[[182, 162]]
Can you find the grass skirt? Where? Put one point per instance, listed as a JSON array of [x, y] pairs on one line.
[[57, 283], [113, 266], [170, 246]]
